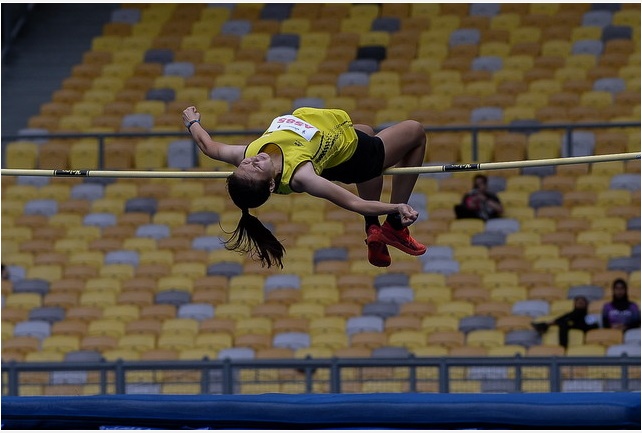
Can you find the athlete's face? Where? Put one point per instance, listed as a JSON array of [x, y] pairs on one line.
[[259, 167]]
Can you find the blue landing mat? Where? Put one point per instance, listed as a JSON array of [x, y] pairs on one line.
[[327, 411]]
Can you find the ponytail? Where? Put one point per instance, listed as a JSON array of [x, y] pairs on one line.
[[251, 236]]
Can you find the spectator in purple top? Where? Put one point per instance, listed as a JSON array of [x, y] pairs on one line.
[[620, 313]]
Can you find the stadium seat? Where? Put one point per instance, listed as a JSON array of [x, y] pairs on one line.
[[532, 308], [486, 338], [631, 336]]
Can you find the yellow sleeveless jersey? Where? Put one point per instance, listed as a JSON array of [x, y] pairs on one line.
[[331, 140]]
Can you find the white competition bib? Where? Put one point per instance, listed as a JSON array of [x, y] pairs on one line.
[[294, 124]]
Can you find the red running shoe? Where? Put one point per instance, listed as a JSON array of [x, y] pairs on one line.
[[377, 250], [402, 240]]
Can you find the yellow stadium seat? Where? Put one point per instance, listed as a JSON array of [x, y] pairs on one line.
[[477, 266], [25, 301], [109, 327], [586, 350], [408, 339], [45, 356], [326, 324], [614, 198], [543, 8], [471, 294], [471, 252], [440, 323], [17, 234], [556, 48], [539, 225], [523, 239], [330, 340], [123, 313], [325, 296], [611, 250], [213, 341], [487, 338], [594, 237], [592, 182], [508, 350], [547, 86], [596, 99], [552, 265], [175, 282], [120, 271], [609, 224], [542, 145], [494, 48], [447, 338], [500, 279], [314, 352], [174, 341], [427, 280], [534, 252], [466, 226], [306, 310], [560, 306], [572, 277], [45, 272], [97, 299], [180, 326], [138, 343], [21, 154], [233, 310], [103, 284], [513, 200], [61, 343], [512, 323], [254, 325], [508, 293], [505, 21], [588, 211]]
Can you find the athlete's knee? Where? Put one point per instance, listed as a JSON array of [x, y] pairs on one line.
[[417, 131]]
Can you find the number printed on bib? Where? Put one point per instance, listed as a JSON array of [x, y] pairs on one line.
[[294, 124]]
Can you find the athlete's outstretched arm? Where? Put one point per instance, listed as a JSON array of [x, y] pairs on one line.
[[306, 180], [214, 149]]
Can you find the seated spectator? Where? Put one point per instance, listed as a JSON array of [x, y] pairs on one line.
[[479, 202], [578, 318], [5, 272], [620, 313]]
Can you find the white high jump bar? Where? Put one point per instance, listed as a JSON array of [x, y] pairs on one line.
[[391, 171]]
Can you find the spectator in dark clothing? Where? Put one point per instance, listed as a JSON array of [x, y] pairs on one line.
[[578, 318], [479, 202], [620, 313]]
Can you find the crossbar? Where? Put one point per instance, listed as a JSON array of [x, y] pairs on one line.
[[391, 171]]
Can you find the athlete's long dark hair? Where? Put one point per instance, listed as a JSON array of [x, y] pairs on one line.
[[250, 235]]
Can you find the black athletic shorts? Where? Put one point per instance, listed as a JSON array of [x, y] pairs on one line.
[[366, 163]]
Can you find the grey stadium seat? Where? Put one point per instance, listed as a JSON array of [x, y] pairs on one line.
[[291, 340], [141, 204], [392, 279], [365, 323]]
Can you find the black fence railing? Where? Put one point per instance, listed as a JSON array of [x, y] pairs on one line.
[[525, 127], [501, 374]]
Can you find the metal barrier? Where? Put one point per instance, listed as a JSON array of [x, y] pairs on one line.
[[333, 375], [473, 129]]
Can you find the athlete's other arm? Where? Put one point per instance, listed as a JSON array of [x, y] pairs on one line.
[[306, 180], [231, 154]]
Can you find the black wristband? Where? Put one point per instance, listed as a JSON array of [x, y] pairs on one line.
[[191, 122]]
